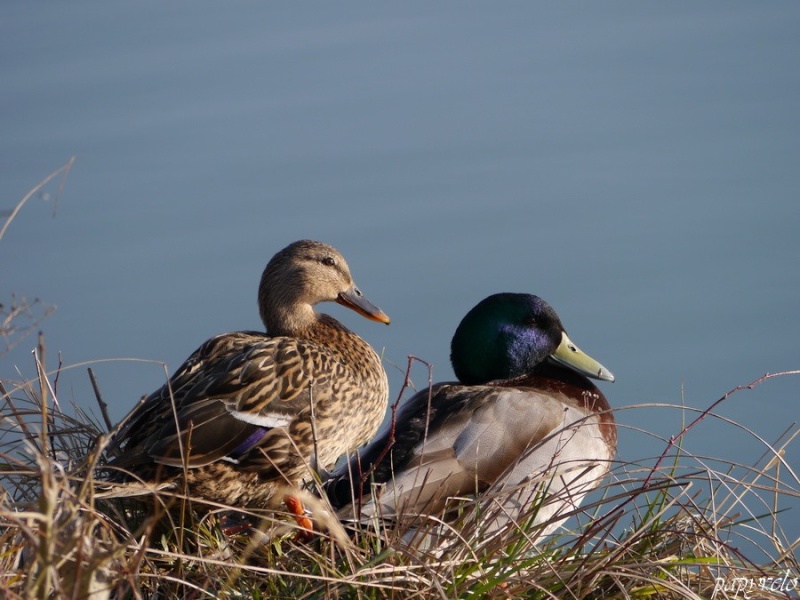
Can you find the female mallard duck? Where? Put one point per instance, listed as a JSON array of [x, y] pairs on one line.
[[523, 412], [250, 413]]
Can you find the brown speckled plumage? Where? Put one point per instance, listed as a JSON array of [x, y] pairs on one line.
[[250, 406]]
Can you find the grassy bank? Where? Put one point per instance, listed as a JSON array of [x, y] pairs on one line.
[[670, 526], [673, 525]]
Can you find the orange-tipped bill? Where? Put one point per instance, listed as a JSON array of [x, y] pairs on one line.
[[354, 299]]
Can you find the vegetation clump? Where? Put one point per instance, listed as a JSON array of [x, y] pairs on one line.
[[670, 526]]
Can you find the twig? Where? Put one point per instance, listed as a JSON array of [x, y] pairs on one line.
[[392, 425], [673, 439], [62, 170], [57, 375], [43, 388], [100, 401], [20, 308]]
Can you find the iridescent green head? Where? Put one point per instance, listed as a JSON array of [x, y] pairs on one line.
[[507, 335]]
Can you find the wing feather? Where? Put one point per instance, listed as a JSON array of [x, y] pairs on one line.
[[228, 389], [462, 443]]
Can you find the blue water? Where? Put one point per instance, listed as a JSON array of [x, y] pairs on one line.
[[637, 165]]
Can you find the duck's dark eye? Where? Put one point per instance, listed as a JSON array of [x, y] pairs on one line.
[[329, 261]]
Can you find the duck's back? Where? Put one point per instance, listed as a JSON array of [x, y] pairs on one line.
[[237, 395], [496, 440]]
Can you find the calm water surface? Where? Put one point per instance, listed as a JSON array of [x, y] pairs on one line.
[[634, 164]]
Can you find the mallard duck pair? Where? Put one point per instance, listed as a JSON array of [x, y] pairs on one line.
[[251, 414], [523, 426]]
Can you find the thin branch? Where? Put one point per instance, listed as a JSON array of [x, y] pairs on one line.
[[673, 439], [100, 401], [64, 171], [393, 424]]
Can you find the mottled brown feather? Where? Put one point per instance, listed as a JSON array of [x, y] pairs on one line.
[[238, 412]]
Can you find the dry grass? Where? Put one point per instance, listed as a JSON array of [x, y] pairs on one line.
[[21, 316], [674, 526], [671, 526]]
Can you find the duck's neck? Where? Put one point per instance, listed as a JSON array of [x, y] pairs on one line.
[[553, 370], [289, 319]]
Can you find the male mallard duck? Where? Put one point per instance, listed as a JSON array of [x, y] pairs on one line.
[[524, 411], [249, 413]]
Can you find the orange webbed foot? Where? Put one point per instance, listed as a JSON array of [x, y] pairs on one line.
[[295, 506]]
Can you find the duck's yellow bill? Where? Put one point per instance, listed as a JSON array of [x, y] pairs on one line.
[[569, 355]]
